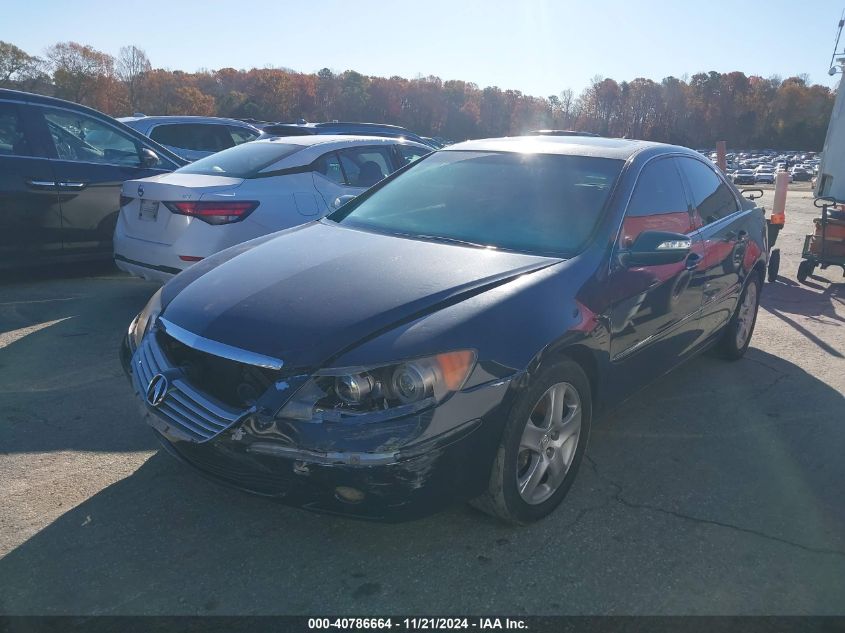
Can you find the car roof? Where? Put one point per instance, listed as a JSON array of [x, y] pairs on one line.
[[347, 124], [598, 147], [31, 97], [340, 139], [186, 119]]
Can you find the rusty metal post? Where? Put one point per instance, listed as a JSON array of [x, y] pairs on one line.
[[721, 151], [779, 205]]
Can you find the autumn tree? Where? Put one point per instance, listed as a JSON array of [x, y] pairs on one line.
[[16, 66], [132, 63], [568, 111], [86, 75], [747, 111]]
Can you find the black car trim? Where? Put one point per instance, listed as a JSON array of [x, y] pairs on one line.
[[162, 269], [302, 169]]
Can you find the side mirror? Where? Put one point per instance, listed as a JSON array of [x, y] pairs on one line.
[[752, 194], [652, 248], [342, 200], [149, 158]]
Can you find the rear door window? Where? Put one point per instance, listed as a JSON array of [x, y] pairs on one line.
[[201, 137], [410, 153], [172, 135], [365, 166], [13, 139], [79, 137], [242, 134], [711, 197], [328, 165]]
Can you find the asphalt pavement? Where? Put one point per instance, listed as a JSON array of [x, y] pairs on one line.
[[720, 489]]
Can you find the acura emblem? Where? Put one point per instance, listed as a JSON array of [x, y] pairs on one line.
[[157, 390], [140, 191]]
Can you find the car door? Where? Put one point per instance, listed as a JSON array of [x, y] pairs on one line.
[[91, 158], [724, 232], [654, 309], [30, 215]]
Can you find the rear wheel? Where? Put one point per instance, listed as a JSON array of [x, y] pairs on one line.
[[774, 264], [737, 334], [542, 446], [805, 269]]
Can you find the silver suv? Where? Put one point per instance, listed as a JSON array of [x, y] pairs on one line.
[[193, 137]]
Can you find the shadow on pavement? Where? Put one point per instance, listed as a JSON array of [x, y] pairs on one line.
[[716, 459], [61, 383], [45, 272], [816, 302]]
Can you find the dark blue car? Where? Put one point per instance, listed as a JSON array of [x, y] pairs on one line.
[[451, 333]]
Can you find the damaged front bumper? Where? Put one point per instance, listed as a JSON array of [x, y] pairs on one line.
[[429, 463], [404, 488]]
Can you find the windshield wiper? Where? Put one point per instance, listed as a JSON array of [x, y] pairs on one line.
[[415, 236]]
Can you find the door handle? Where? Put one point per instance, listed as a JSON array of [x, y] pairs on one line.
[[692, 261], [41, 184], [72, 185]]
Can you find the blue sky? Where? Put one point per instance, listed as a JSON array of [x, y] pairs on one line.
[[539, 47]]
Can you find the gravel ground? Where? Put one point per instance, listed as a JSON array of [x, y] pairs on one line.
[[718, 490]]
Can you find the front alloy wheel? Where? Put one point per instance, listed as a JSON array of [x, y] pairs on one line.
[[746, 316], [548, 443], [542, 445], [737, 333]]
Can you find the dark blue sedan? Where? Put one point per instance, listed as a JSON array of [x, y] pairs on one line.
[[451, 333]]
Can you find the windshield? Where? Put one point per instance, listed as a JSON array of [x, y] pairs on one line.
[[533, 203], [241, 161]]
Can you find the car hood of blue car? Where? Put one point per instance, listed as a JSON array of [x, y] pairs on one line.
[[308, 294]]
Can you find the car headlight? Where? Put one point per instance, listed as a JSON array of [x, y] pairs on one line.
[[141, 323], [379, 392]]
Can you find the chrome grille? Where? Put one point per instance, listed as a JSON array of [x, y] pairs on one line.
[[196, 414]]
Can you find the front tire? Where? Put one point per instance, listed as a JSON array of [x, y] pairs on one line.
[[737, 335], [542, 445]]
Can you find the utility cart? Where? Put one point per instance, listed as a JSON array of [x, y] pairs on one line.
[[826, 246]]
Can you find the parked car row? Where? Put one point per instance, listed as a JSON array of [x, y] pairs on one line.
[[62, 167], [766, 175], [760, 167]]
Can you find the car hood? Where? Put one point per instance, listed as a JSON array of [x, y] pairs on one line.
[[310, 293]]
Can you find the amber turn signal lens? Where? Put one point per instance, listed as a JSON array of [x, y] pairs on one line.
[[455, 367]]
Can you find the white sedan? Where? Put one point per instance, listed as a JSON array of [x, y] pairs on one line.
[[168, 222]]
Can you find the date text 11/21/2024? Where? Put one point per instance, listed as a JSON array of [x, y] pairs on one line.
[[417, 624]]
